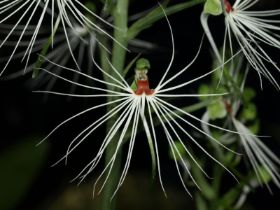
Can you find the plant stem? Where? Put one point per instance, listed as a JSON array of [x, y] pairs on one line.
[[121, 19], [157, 14], [118, 60]]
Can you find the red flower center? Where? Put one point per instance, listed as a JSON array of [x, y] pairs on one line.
[[143, 87], [228, 6]]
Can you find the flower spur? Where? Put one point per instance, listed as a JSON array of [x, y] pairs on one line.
[[250, 30]]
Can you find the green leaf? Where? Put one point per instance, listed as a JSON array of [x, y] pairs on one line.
[[20, 164], [213, 7], [217, 110]]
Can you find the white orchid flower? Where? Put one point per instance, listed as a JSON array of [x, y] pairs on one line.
[[142, 105]]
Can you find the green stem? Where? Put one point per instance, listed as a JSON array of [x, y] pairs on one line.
[[121, 19], [118, 60]]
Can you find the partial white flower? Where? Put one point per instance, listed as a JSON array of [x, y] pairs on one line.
[[263, 161], [82, 42], [259, 155], [19, 15], [251, 30]]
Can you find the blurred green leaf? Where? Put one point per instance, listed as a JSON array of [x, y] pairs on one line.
[[217, 110], [108, 5], [202, 90], [249, 112], [228, 200], [20, 164], [231, 159], [200, 202], [248, 94], [265, 177]]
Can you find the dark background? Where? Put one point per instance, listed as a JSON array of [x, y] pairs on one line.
[[26, 116]]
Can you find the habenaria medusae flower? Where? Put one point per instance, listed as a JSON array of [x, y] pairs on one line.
[[251, 30], [145, 106], [17, 17]]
